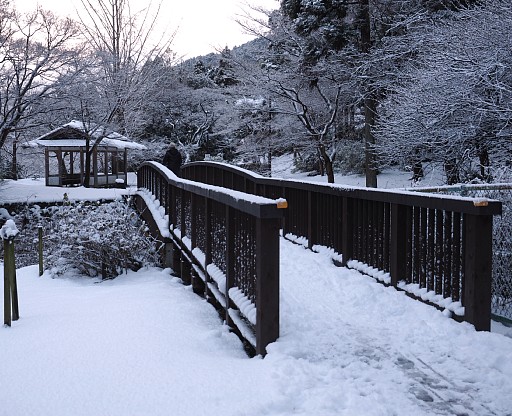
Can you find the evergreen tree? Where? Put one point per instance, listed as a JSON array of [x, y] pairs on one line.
[[323, 24], [361, 30]]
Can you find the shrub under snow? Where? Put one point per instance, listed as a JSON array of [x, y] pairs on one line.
[[86, 238]]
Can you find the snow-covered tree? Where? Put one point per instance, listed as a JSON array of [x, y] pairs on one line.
[[121, 73], [121, 45], [315, 92], [454, 104], [35, 50], [354, 30], [92, 239]]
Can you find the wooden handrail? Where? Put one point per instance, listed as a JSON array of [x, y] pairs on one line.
[[436, 247], [228, 245]]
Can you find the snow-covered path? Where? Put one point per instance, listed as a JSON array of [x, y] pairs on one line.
[[361, 348], [143, 344]]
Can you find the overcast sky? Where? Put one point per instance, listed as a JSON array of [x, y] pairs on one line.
[[204, 25]]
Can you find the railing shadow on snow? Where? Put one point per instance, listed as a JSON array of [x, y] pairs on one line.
[[224, 243], [436, 248]]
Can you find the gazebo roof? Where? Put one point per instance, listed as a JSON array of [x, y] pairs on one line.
[[73, 134]]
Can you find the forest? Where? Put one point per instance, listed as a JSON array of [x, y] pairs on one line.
[[351, 86]]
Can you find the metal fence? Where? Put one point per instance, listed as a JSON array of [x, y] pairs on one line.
[[502, 240]]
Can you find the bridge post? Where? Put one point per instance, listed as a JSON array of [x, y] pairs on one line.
[[398, 237], [312, 219], [175, 259], [208, 239], [171, 201], [478, 270], [167, 254], [347, 234], [183, 224], [230, 258], [185, 270], [193, 220], [267, 290]]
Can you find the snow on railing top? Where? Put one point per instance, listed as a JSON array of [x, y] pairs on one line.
[[258, 205], [407, 196]]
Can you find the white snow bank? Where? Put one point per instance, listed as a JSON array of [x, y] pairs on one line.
[[35, 191]]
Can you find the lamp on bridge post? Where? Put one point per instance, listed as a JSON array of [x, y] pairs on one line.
[[8, 232]]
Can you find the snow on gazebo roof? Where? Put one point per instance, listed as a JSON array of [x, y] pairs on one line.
[[73, 134]]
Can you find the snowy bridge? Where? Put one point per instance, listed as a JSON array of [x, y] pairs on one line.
[[220, 229]]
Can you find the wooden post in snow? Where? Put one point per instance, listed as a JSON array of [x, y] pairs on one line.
[[11, 311], [40, 249]]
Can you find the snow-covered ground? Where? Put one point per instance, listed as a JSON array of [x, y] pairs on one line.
[[34, 190], [144, 344], [282, 167]]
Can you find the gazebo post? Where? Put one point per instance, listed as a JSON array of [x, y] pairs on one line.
[[60, 163], [82, 168], [115, 166], [125, 164], [46, 166], [105, 166], [95, 165]]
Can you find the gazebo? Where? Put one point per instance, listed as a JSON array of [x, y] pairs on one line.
[[65, 150]]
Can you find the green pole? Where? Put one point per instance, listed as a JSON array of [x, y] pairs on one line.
[[14, 285], [40, 249], [7, 284]]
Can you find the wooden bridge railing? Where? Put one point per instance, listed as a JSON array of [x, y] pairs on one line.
[[436, 248], [226, 245], [501, 305]]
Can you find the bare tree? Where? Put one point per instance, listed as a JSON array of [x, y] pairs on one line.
[[35, 50], [316, 94], [319, 127], [122, 43], [119, 77]]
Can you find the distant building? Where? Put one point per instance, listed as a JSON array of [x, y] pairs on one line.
[[65, 150]]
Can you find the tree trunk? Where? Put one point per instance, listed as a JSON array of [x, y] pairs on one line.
[[452, 171], [329, 170], [321, 170], [370, 104], [4, 133], [327, 163], [417, 166], [269, 157], [369, 142], [483, 156], [14, 167], [365, 28], [87, 173]]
